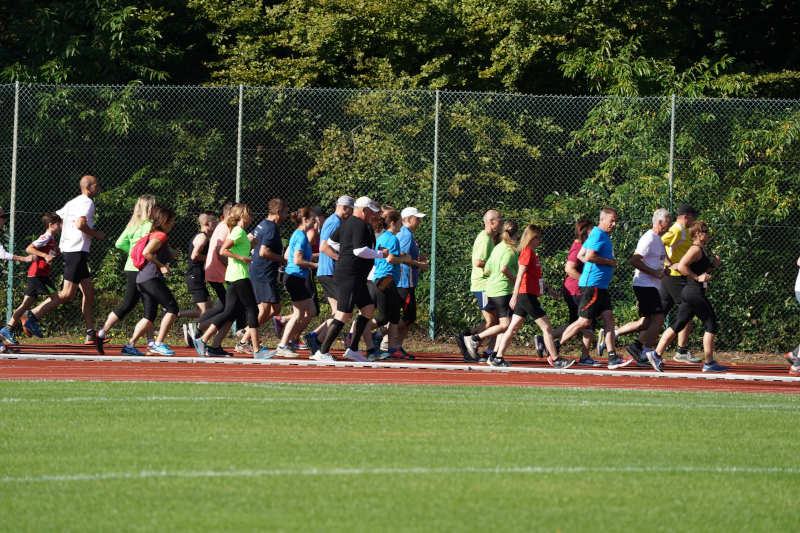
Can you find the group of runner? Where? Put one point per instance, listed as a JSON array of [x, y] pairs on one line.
[[365, 256]]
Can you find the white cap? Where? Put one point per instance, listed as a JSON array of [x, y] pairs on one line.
[[345, 200], [364, 201], [411, 212]]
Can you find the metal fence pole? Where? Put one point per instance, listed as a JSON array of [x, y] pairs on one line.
[[434, 209], [12, 207], [671, 151], [239, 148]]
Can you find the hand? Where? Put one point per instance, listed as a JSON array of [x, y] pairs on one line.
[[164, 269], [612, 263], [513, 303], [49, 258], [247, 260], [423, 265], [99, 235], [704, 277], [659, 274], [384, 252]]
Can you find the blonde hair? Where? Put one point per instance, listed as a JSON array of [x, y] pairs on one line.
[[141, 211], [238, 211], [509, 235], [531, 231]]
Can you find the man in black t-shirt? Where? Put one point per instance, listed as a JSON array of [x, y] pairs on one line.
[[355, 241], [267, 258]]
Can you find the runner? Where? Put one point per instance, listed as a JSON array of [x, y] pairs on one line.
[[6, 256], [152, 285], [267, 258], [500, 271], [355, 240], [409, 274], [138, 226], [695, 264], [572, 294], [528, 286], [481, 250], [195, 270], [793, 357], [677, 241], [598, 254]]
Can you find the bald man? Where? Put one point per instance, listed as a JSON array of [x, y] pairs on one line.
[[76, 239]]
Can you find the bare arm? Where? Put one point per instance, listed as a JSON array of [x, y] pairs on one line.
[[593, 257], [32, 250], [637, 261], [150, 253], [302, 263], [83, 225], [225, 251], [692, 255], [517, 285], [197, 244], [269, 255], [326, 249], [571, 268]]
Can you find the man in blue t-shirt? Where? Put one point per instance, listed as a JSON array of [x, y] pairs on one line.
[[266, 259], [409, 271], [597, 254]]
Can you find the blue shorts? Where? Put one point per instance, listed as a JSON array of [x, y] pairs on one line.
[[267, 291], [483, 301]]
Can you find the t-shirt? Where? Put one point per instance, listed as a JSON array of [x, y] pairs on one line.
[[652, 250], [677, 242], [298, 241], [481, 250], [128, 238], [570, 283], [353, 234], [73, 239], [532, 280], [409, 276], [497, 284], [164, 255], [216, 264], [237, 269], [383, 267], [595, 275], [265, 234], [47, 244], [326, 265]]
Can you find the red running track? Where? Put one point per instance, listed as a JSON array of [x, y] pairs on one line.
[[19, 369]]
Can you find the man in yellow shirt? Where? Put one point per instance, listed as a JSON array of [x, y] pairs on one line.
[[677, 241]]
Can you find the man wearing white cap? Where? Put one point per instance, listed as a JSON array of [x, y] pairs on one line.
[[355, 240], [409, 272], [327, 262]]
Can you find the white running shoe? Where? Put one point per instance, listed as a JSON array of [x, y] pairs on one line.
[[353, 355], [322, 357]]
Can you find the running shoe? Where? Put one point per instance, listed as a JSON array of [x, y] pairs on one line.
[[538, 341], [30, 324], [264, 353], [560, 363], [217, 351], [791, 357], [472, 347], [200, 346], [713, 366], [322, 357], [687, 358], [160, 348], [278, 326], [463, 348], [312, 342], [295, 346], [497, 361], [401, 353], [98, 344], [243, 347], [588, 361], [356, 356], [794, 370], [186, 338], [131, 350], [8, 334], [654, 360], [618, 362], [285, 351]]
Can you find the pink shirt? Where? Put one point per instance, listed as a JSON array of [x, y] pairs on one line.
[[571, 284], [215, 264]]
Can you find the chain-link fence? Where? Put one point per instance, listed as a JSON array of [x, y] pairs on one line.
[[544, 159]]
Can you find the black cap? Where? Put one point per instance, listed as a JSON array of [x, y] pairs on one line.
[[686, 209]]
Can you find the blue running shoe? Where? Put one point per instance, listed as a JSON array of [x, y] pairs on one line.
[[160, 348], [264, 353], [31, 325], [654, 360], [713, 366], [8, 334], [131, 350], [200, 346]]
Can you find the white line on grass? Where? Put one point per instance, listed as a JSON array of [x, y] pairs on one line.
[[149, 474]]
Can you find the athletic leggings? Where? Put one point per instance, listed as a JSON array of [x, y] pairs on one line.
[[131, 296], [239, 297], [694, 303], [154, 293], [211, 314]]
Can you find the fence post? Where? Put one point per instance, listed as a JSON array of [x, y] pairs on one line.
[[671, 151], [239, 148], [434, 212], [13, 206]]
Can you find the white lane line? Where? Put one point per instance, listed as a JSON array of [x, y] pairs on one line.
[[157, 474]]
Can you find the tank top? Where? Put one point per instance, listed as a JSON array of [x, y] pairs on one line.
[[196, 269], [701, 266]]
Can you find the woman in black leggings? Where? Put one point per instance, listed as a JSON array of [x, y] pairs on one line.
[[696, 265]]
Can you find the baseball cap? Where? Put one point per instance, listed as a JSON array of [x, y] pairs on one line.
[[686, 209], [411, 212], [364, 201], [345, 200]]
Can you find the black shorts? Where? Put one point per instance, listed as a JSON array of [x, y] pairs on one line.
[[594, 302], [408, 299], [267, 290], [528, 305], [352, 293], [500, 305], [572, 301], [388, 302], [76, 266], [197, 288], [328, 286], [39, 286], [649, 301], [671, 288], [311, 285], [297, 288]]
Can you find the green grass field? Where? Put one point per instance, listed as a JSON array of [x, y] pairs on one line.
[[234, 457]]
